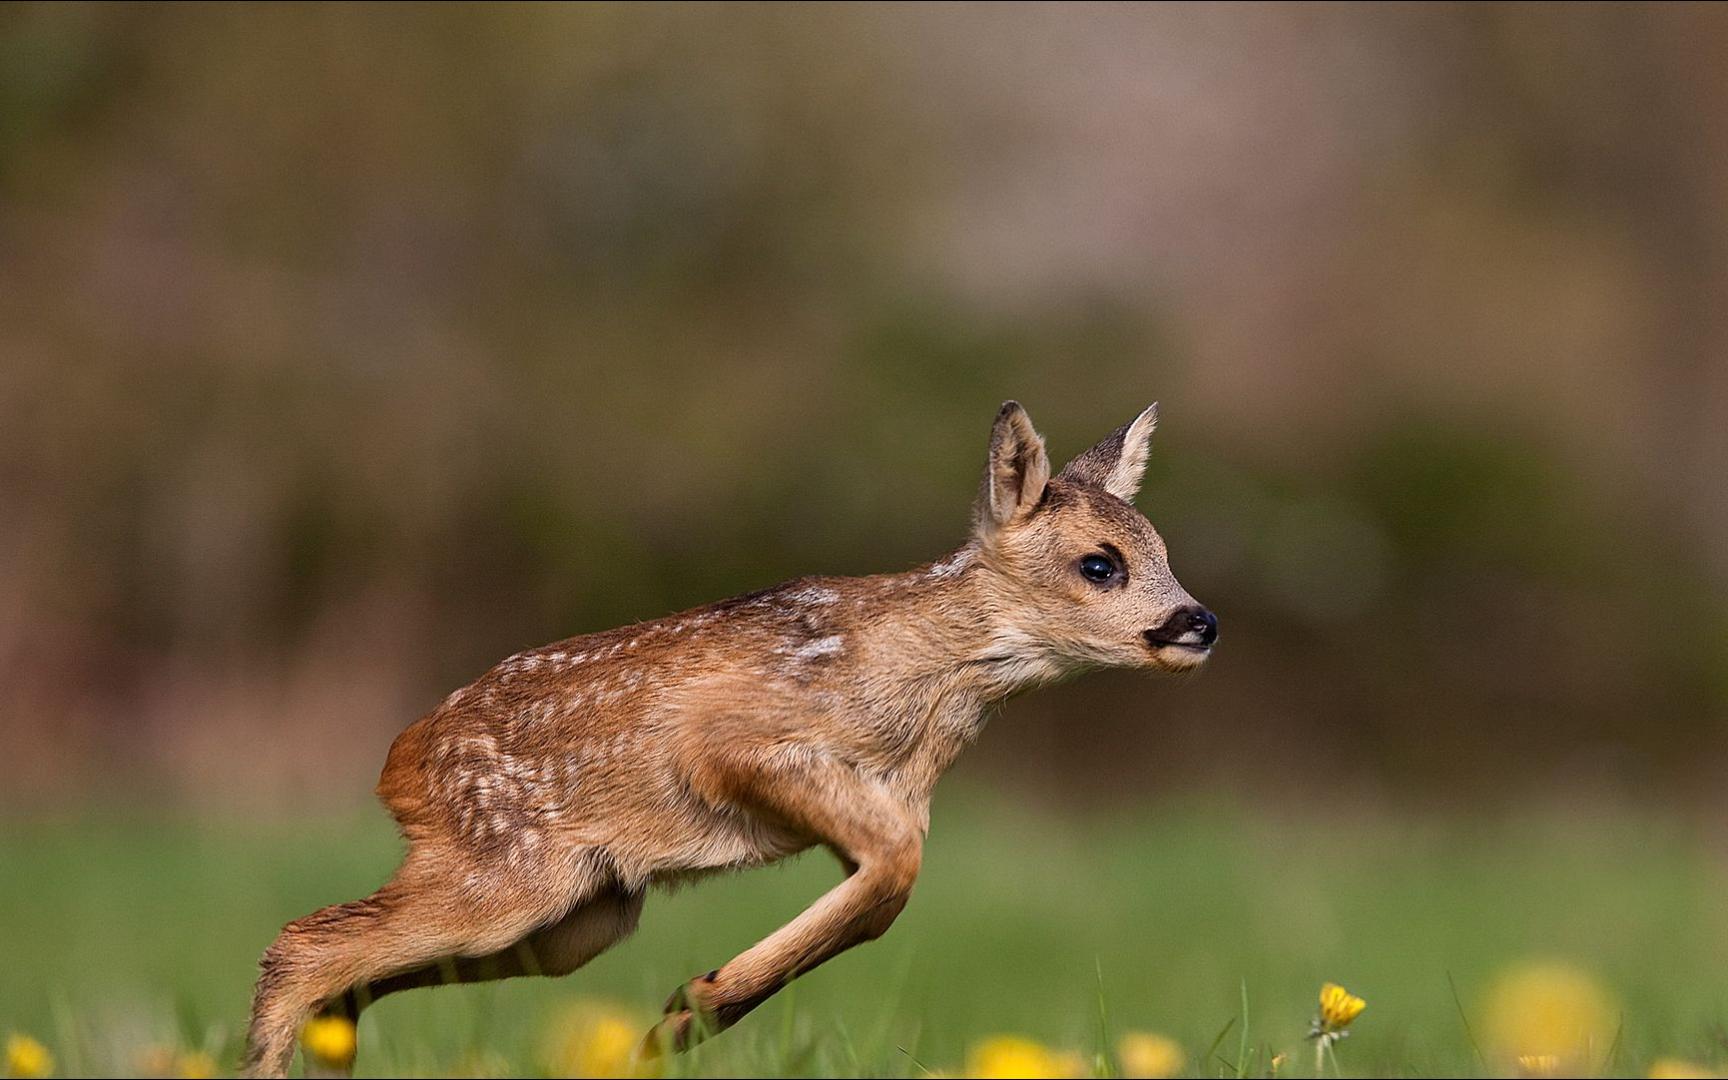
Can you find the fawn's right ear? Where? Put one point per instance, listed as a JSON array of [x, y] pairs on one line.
[[1018, 471]]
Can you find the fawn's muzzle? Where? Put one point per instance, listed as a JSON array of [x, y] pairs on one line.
[[1189, 627]]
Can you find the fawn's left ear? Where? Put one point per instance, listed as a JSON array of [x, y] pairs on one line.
[[1018, 471], [1118, 462]]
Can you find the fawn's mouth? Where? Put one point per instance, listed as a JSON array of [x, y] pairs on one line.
[[1185, 646], [1162, 654]]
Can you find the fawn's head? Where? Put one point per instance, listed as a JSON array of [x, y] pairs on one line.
[[1081, 573]]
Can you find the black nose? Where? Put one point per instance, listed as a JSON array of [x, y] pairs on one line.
[[1187, 626]]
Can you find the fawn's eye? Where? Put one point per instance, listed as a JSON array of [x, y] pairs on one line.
[[1097, 568]]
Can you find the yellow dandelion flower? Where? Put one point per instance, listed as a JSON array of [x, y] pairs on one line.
[[595, 1039], [1278, 1061], [1677, 1069], [25, 1057], [1538, 1066], [195, 1065], [1006, 1057], [1149, 1056], [1548, 1011], [1338, 1007], [329, 1041]]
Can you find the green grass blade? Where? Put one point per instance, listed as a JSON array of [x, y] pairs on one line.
[[1464, 1018], [1242, 1046], [1218, 1040]]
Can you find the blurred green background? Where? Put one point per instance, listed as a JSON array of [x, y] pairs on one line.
[[347, 349]]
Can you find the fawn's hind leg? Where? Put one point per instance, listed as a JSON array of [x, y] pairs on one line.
[[425, 914], [587, 931]]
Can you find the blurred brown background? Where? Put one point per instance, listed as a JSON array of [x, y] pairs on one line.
[[345, 350]]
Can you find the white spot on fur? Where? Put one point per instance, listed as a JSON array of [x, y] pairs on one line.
[[828, 646], [952, 565], [813, 595], [480, 743]]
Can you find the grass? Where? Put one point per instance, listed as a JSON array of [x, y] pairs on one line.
[[1210, 925]]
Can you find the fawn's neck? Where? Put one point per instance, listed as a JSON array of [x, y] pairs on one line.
[[976, 637], [953, 648]]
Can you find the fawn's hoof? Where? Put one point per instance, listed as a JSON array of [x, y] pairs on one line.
[[675, 1033], [689, 1017]]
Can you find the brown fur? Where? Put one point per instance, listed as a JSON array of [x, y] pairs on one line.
[[542, 801]]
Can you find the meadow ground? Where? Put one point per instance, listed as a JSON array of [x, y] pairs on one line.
[[118, 937]]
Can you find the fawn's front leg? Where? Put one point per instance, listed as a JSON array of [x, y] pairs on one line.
[[877, 842]]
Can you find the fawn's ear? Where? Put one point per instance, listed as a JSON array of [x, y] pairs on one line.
[[1117, 463], [1018, 471]]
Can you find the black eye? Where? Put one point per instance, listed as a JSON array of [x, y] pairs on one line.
[[1097, 568]]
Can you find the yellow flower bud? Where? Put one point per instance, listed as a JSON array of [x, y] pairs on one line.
[[1006, 1057], [1149, 1056], [1338, 1007], [1548, 1019], [329, 1040], [595, 1039], [25, 1057]]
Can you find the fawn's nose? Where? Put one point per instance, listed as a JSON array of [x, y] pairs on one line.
[[1204, 623], [1186, 626]]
